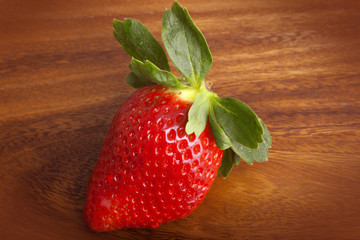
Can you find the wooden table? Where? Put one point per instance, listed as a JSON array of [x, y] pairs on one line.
[[296, 63]]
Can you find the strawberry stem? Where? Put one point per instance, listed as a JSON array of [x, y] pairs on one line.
[[186, 94]]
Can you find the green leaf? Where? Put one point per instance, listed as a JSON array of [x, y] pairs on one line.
[[222, 141], [198, 113], [148, 72], [139, 43], [249, 155], [136, 82], [186, 45], [266, 136], [139, 70], [236, 159], [260, 154], [238, 121], [226, 163]]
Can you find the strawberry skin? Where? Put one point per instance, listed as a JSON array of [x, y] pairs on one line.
[[149, 170]]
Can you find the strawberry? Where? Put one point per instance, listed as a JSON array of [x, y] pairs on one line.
[[171, 137], [150, 171]]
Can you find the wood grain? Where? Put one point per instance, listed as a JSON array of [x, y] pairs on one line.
[[296, 63]]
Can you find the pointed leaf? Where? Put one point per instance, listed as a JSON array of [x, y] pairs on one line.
[[136, 82], [226, 163], [260, 154], [238, 121], [222, 141], [139, 43], [249, 155], [139, 70], [185, 44], [236, 159], [198, 113], [266, 136], [151, 73]]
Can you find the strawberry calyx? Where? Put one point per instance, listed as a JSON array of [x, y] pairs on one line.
[[236, 128]]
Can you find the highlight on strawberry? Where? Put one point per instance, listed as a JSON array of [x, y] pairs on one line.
[[172, 136]]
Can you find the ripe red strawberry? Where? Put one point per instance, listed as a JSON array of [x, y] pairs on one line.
[[150, 171], [171, 137]]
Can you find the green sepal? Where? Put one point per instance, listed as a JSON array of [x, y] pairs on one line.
[[222, 141], [148, 72], [226, 163], [236, 159], [185, 44], [198, 113], [250, 155], [135, 82], [238, 121], [266, 136], [139, 42]]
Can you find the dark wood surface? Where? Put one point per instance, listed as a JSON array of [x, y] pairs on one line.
[[296, 63]]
